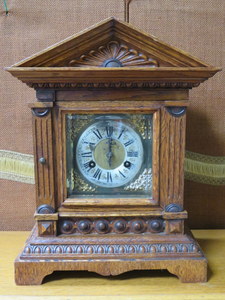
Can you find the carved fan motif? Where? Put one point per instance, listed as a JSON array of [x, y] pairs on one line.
[[114, 54]]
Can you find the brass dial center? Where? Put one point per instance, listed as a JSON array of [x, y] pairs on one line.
[[109, 154]]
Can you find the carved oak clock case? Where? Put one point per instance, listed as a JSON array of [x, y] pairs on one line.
[[109, 142]]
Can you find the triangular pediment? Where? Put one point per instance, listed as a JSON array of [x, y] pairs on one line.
[[111, 39], [110, 44]]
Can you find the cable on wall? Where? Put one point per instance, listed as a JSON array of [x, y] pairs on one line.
[[5, 7], [126, 10]]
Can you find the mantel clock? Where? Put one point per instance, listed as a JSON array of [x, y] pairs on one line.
[[109, 141]]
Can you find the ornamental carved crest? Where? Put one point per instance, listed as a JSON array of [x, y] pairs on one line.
[[114, 54]]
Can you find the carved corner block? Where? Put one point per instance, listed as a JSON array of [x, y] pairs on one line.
[[47, 224], [47, 228], [44, 95], [174, 226]]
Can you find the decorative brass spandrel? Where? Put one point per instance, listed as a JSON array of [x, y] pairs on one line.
[[80, 185], [142, 124], [142, 183], [75, 125]]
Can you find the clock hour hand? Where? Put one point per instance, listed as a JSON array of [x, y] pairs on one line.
[[92, 146]]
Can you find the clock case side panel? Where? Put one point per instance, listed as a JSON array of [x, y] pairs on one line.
[[44, 163], [172, 152], [93, 107], [42, 124]]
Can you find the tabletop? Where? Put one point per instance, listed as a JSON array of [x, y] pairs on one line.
[[135, 285]]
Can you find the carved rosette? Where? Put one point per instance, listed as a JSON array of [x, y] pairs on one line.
[[114, 54]]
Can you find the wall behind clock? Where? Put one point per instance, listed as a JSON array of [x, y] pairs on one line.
[[197, 26]]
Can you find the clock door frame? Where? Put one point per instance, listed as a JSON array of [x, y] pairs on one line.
[[109, 107]]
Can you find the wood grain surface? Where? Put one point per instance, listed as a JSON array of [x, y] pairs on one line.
[[136, 285]]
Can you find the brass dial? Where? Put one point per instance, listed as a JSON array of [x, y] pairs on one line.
[[109, 153]]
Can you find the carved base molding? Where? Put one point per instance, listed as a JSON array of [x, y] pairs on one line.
[[179, 254]]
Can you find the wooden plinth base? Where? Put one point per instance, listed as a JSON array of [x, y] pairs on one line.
[[179, 254]]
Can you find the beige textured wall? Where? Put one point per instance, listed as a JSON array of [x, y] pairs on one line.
[[197, 26]]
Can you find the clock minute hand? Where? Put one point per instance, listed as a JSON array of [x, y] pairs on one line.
[[109, 154]]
